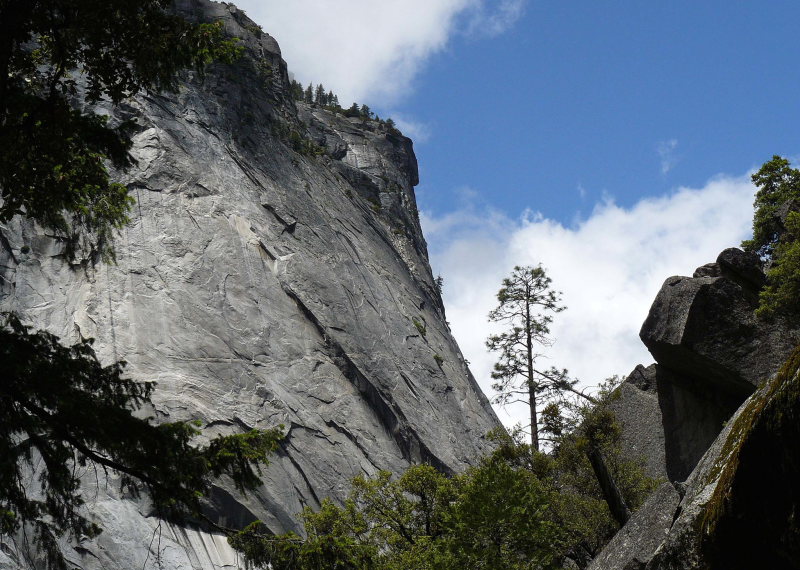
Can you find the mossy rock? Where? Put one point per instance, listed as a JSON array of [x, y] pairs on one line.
[[752, 519]]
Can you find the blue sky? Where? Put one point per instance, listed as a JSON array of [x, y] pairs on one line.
[[579, 99], [610, 141]]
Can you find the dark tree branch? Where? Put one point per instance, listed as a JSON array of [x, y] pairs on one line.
[[611, 493]]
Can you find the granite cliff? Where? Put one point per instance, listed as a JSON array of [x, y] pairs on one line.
[[274, 272]]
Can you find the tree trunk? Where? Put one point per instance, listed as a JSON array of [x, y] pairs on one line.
[[534, 417], [531, 386], [616, 503]]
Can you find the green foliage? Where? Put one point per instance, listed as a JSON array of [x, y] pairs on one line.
[[778, 192], [420, 326], [296, 90], [577, 502], [391, 128], [353, 111], [776, 236], [782, 293], [314, 95], [517, 509], [61, 409], [501, 520], [303, 145], [583, 504], [493, 516], [439, 284], [329, 100], [52, 154]]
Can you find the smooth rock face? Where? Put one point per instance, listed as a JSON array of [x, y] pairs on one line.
[[637, 409], [704, 329], [693, 328], [692, 416], [634, 545], [258, 286], [682, 549], [667, 421]]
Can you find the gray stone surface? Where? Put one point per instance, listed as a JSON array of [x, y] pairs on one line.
[[711, 352], [692, 415], [668, 421], [704, 328], [662, 534], [637, 409], [261, 286], [681, 548], [634, 545], [738, 509], [743, 268]]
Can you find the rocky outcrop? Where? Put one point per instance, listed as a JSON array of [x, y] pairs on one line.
[[274, 272], [736, 452], [704, 328], [711, 352]]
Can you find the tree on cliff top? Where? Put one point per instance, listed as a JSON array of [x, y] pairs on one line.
[[776, 236], [53, 154]]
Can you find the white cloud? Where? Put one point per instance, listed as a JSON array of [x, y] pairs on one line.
[[609, 267], [666, 151], [490, 21], [418, 131], [370, 51]]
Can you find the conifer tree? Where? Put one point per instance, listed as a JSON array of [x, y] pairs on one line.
[[527, 304], [53, 156], [353, 111], [319, 95], [297, 90], [309, 94], [776, 237], [61, 409]]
